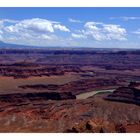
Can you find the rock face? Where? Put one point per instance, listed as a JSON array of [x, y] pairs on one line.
[[27, 69], [24, 97], [89, 115], [130, 94], [20, 70], [76, 87], [135, 85], [41, 87]]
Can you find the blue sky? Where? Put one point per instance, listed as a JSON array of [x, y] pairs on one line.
[[76, 27]]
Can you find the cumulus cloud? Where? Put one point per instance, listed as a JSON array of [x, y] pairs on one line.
[[2, 21], [78, 35], [74, 20], [100, 31], [37, 31], [91, 26], [30, 30], [115, 32], [36, 25], [61, 28]]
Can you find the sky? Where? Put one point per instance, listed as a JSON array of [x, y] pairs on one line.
[[71, 27]]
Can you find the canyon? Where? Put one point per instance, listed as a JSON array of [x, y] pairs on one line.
[[69, 90]]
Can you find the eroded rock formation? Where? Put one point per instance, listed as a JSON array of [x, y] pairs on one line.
[[130, 94], [89, 115], [24, 97]]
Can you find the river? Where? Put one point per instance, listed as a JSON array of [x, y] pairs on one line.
[[91, 93]]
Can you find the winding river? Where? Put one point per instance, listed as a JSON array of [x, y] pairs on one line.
[[91, 93]]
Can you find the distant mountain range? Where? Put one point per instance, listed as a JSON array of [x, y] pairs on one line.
[[14, 46], [4, 45]]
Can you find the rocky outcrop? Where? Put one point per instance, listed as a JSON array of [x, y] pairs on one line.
[[41, 87], [129, 94], [90, 115], [24, 97], [135, 85], [85, 85], [25, 70], [77, 87], [22, 71]]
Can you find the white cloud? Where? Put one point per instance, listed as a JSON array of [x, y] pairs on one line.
[[74, 20], [45, 37], [11, 29], [61, 28], [100, 31], [10, 20], [114, 28], [126, 18], [91, 26], [114, 32], [130, 18], [91, 23], [1, 24], [2, 21], [44, 32], [78, 36], [36, 25], [137, 32], [34, 31]]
